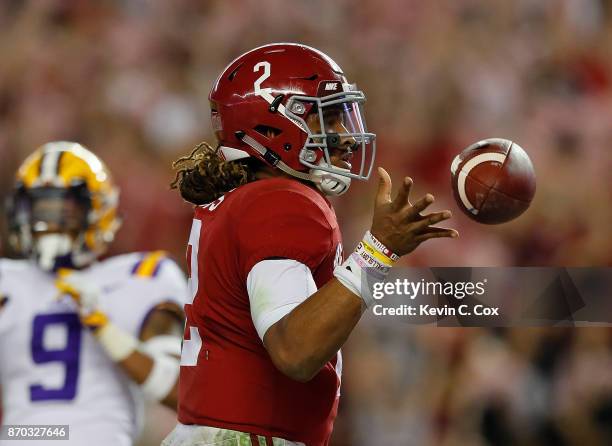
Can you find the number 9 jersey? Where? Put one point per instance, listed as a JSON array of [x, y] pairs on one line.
[[52, 369]]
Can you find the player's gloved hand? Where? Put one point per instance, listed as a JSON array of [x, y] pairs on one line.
[[86, 295], [399, 224]]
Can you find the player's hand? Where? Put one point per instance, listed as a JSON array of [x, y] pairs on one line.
[[399, 224], [86, 295]]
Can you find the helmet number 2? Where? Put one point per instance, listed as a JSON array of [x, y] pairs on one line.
[[266, 74]]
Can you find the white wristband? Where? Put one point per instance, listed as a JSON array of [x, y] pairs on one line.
[[117, 343], [369, 263], [379, 246]]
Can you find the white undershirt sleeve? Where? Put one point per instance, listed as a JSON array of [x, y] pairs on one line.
[[275, 288]]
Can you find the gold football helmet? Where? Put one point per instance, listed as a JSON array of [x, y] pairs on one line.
[[63, 210]]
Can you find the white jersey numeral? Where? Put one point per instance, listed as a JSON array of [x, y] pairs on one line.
[[191, 347], [193, 247], [266, 74], [192, 344]]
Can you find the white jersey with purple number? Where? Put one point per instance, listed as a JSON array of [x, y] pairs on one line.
[[52, 370]]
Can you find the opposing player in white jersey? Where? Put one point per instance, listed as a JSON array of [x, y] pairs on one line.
[[82, 341]]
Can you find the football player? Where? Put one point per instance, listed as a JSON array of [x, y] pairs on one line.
[[82, 340], [271, 301]]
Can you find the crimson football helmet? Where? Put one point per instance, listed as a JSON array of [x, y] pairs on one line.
[[274, 103]]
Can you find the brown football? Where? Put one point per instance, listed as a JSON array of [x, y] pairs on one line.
[[493, 180]]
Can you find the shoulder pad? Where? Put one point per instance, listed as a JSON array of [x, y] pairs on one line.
[[149, 264], [13, 266]]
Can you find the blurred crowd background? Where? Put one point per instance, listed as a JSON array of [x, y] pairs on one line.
[[130, 79]]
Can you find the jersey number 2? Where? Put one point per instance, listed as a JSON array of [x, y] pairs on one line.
[[67, 355], [192, 342]]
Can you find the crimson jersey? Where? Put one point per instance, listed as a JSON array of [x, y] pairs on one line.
[[227, 377]]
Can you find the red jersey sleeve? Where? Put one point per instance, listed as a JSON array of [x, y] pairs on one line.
[[283, 223]]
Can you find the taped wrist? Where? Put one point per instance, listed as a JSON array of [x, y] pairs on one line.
[[163, 350], [117, 343], [369, 263]]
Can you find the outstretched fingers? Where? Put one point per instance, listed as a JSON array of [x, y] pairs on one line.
[[383, 196], [436, 233], [431, 219], [401, 199], [412, 211], [401, 225]]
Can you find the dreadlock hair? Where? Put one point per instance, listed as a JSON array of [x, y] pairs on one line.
[[203, 176]]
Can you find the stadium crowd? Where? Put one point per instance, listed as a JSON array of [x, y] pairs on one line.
[[130, 80]]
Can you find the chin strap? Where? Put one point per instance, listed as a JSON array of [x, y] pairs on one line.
[[49, 247], [326, 182], [331, 183], [274, 159], [53, 251]]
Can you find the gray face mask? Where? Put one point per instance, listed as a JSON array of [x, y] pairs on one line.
[[339, 117], [49, 225]]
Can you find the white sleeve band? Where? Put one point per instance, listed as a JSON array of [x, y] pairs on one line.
[[162, 344], [275, 288], [117, 343], [350, 279], [164, 350]]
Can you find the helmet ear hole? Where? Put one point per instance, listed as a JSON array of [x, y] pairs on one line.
[[267, 131], [233, 74]]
